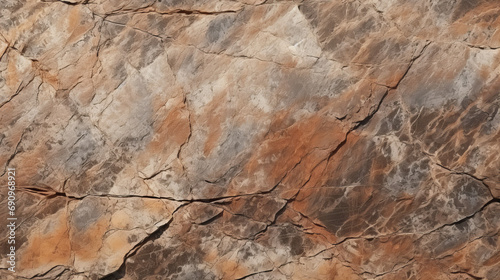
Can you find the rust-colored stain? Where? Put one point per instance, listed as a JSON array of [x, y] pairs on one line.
[[50, 247]]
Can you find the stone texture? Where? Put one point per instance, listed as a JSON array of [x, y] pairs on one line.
[[252, 139]]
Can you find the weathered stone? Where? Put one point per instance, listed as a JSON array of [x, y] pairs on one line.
[[251, 139]]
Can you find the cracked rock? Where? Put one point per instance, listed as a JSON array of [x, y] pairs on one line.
[[251, 139]]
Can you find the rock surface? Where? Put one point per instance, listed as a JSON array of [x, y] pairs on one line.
[[251, 139]]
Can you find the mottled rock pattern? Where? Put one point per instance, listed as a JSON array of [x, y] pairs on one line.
[[252, 139]]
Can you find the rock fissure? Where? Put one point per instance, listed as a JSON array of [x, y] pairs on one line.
[[252, 139]]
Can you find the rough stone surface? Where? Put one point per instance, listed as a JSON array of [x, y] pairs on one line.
[[251, 139]]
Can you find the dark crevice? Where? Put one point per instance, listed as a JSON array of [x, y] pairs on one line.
[[468, 274], [464, 219], [213, 219], [253, 274], [43, 274], [339, 146], [193, 12], [85, 2], [154, 174], [461, 173], [410, 65], [224, 179], [370, 116], [12, 97], [482, 180], [190, 126], [279, 213], [43, 191], [47, 192], [121, 271], [200, 12], [311, 220], [273, 222], [481, 47], [21, 85]]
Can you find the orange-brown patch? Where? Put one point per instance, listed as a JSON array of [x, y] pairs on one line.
[[86, 245], [230, 269], [75, 26], [493, 260], [173, 131], [12, 79], [48, 248], [214, 133]]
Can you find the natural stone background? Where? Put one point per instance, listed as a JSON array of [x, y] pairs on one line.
[[252, 139]]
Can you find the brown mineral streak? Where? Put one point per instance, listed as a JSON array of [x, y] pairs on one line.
[[251, 139]]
